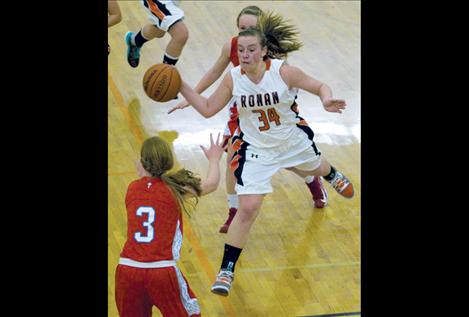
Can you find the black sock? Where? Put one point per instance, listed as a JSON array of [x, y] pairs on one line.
[[139, 39], [169, 60], [230, 257], [331, 174]]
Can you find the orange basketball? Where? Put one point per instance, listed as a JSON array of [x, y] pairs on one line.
[[162, 82]]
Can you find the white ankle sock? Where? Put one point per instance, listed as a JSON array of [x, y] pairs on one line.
[[132, 38], [309, 179], [233, 201]]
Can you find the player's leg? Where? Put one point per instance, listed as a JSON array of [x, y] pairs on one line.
[[171, 19], [334, 177], [179, 36], [249, 207], [164, 17], [308, 161], [316, 188], [313, 183], [177, 299], [232, 197], [135, 41], [253, 181], [130, 295]]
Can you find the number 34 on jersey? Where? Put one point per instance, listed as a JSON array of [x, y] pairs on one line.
[[266, 116]]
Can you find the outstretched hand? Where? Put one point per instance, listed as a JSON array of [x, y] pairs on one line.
[[334, 105], [215, 151], [181, 105]]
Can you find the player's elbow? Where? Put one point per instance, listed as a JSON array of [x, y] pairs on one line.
[[207, 113], [211, 109]]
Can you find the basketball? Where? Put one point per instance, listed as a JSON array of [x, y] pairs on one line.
[[162, 82]]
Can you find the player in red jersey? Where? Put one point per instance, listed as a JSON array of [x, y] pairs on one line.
[[147, 274], [248, 17]]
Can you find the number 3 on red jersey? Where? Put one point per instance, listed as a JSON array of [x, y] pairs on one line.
[[148, 224]]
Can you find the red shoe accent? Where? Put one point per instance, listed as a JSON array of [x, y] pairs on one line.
[[226, 225], [318, 191]]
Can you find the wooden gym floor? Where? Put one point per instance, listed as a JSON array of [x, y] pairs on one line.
[[299, 261]]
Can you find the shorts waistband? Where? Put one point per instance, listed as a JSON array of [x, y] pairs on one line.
[[146, 265]]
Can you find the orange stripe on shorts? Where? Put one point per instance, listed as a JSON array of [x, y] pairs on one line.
[[237, 144], [303, 122], [155, 10], [234, 162]]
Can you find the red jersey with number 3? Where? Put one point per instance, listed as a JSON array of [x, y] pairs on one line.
[[154, 222]]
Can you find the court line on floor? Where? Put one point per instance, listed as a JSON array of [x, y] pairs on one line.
[[125, 111], [207, 267], [357, 313], [307, 266]]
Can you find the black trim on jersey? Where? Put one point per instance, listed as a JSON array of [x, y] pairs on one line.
[[297, 112], [241, 152], [306, 129], [145, 3], [162, 7]]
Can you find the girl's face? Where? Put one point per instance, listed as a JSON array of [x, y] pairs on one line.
[[246, 21], [250, 52]]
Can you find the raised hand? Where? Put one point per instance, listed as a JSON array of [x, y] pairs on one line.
[[181, 105], [215, 151], [334, 105]]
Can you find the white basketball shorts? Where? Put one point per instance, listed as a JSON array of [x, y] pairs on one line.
[[254, 168], [163, 13]]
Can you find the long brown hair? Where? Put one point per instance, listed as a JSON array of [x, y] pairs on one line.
[[157, 159], [276, 34]]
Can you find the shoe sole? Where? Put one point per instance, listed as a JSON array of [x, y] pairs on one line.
[[319, 205], [348, 192], [221, 292]]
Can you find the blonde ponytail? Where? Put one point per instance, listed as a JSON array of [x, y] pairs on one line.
[[276, 34], [157, 159]]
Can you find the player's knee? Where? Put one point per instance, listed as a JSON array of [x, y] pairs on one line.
[[249, 212], [183, 37], [180, 33], [150, 31]]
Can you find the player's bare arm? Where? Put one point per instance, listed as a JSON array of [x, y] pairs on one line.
[[213, 155], [211, 76], [216, 71], [217, 101], [294, 77]]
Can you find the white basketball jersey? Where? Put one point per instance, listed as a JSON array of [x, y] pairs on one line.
[[265, 115]]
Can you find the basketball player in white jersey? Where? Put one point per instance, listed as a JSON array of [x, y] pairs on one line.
[[248, 17], [271, 135], [166, 16]]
